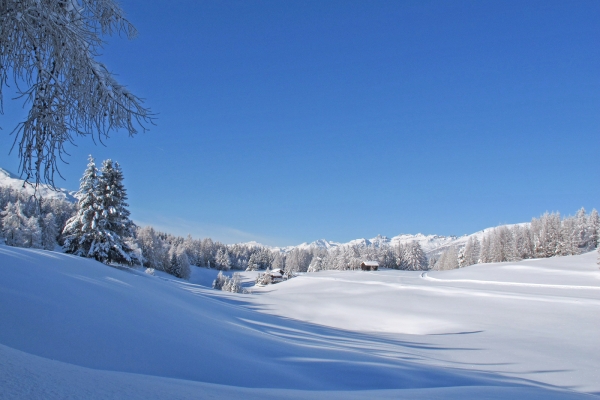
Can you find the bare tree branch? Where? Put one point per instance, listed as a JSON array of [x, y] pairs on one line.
[[49, 47]]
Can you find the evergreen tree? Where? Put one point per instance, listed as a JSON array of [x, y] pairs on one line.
[[32, 234], [101, 229], [594, 228], [80, 230], [220, 281], [222, 260], [415, 259], [580, 230], [114, 226], [49, 231], [13, 223]]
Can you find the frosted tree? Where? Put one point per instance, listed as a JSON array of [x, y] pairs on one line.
[[18, 229], [296, 261], [222, 261], [80, 230], [278, 261], [594, 228], [155, 252], [570, 237], [13, 224], [49, 47], [32, 233], [471, 252], [522, 243], [501, 244], [179, 265], [114, 228], [485, 255], [448, 260], [49, 231], [414, 258], [233, 284], [400, 251], [101, 229], [547, 235], [316, 264], [387, 258], [580, 230], [220, 281]]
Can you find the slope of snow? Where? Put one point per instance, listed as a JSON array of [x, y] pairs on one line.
[[8, 179], [72, 327], [535, 319]]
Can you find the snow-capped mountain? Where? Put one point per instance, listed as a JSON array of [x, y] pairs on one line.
[[8, 179], [431, 244]]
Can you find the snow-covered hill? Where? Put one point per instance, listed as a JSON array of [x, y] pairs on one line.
[[74, 328], [8, 179]]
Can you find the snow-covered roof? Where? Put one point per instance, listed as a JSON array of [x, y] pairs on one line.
[[277, 270], [371, 263]]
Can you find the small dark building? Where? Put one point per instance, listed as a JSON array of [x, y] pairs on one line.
[[369, 266]]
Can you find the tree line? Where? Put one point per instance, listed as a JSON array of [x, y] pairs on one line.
[[99, 227]]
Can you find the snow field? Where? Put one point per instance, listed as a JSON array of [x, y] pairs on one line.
[[75, 328]]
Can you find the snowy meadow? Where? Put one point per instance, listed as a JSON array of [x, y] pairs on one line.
[[76, 328]]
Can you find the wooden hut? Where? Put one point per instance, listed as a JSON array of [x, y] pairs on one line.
[[369, 266]]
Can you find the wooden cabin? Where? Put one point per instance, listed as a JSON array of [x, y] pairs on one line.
[[369, 265], [276, 275]]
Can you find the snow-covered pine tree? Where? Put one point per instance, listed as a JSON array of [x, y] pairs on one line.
[[222, 260], [101, 228], [12, 223], [80, 231], [235, 284], [220, 281], [179, 265], [414, 259], [594, 228], [49, 231], [154, 251], [114, 227], [32, 233], [580, 230], [400, 251], [570, 237]]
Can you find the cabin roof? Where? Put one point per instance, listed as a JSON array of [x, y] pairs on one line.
[[371, 263]]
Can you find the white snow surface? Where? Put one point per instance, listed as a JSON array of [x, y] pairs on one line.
[[8, 179], [74, 328]]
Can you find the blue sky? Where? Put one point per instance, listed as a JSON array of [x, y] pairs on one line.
[[290, 121]]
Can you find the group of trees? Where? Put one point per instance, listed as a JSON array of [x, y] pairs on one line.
[[405, 256], [547, 236], [98, 226], [227, 284], [28, 221], [101, 228]]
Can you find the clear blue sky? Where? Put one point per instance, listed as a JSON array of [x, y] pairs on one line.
[[290, 121]]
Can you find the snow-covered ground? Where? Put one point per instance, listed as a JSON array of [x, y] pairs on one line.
[[74, 328]]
